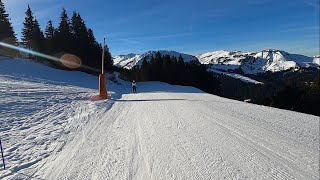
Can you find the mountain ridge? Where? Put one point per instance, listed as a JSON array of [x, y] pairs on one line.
[[130, 60], [269, 60]]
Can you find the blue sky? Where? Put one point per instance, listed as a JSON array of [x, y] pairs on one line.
[[187, 26]]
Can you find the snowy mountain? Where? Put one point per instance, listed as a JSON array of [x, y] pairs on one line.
[[130, 60], [222, 57], [275, 61], [51, 130], [316, 60], [256, 62], [270, 60], [126, 61]]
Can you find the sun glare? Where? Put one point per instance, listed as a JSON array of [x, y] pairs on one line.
[[68, 60]]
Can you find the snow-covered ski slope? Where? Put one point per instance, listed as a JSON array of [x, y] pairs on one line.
[[50, 130]]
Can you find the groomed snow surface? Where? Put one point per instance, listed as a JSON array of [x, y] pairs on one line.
[[51, 130]]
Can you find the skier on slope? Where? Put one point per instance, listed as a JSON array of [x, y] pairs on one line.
[[134, 87]]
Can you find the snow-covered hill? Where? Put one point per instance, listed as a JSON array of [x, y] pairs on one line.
[[51, 130], [130, 60], [316, 60], [126, 61], [256, 62]]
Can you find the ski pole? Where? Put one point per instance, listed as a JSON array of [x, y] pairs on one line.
[[4, 165]]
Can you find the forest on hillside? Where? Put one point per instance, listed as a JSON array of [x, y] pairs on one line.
[[297, 91], [72, 37]]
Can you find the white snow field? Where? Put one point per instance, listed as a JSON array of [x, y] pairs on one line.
[[237, 76], [51, 130]]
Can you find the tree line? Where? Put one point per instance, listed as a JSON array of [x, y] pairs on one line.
[[298, 94], [7, 34], [296, 91], [169, 69], [71, 36]]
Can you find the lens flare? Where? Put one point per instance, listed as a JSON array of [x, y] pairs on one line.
[[71, 61], [68, 60]]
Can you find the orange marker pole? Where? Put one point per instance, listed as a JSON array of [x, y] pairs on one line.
[[102, 78]]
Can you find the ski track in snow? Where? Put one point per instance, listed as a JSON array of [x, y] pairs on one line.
[[52, 131], [158, 135]]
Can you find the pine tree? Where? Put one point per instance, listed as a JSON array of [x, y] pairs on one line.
[[165, 68], [64, 33], [80, 37], [181, 69], [108, 61], [6, 32], [145, 70], [50, 30], [38, 37], [27, 30], [94, 51], [157, 65], [50, 35], [180, 59], [32, 35]]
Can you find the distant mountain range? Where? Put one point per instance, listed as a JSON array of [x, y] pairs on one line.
[[130, 60], [270, 60]]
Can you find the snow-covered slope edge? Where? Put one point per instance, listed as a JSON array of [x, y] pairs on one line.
[[41, 110]]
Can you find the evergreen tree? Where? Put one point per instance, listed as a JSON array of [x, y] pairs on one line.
[[157, 65], [145, 70], [6, 32], [50, 30], [94, 51], [32, 35], [174, 70], [180, 59], [108, 61], [28, 28], [50, 35], [64, 33], [165, 68], [80, 37], [38, 37], [181, 69]]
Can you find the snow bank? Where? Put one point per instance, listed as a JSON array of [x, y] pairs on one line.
[[41, 110]]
